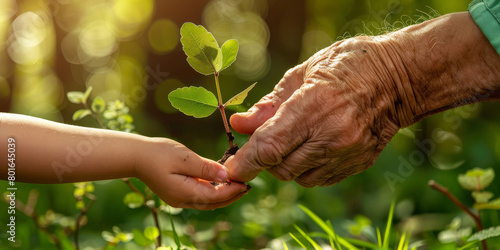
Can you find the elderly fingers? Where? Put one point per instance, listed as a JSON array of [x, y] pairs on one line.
[[248, 122]]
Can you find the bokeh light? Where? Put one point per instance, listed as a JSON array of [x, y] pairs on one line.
[[107, 83], [131, 16], [242, 20], [29, 31], [97, 39], [163, 36], [161, 95]]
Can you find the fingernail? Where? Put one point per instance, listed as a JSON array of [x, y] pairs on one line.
[[222, 175], [244, 113]]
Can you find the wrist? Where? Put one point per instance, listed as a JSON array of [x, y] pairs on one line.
[[447, 62], [156, 156], [144, 156]]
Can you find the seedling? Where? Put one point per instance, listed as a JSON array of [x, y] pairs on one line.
[[475, 180], [207, 58]]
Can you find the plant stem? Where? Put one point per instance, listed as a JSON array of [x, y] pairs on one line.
[[157, 222], [221, 107], [29, 210], [83, 211], [153, 209], [475, 217], [96, 116], [217, 86], [229, 134], [131, 186]]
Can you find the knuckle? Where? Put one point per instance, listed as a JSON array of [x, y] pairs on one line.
[[293, 72], [269, 151], [281, 173], [206, 171], [351, 137], [249, 165]]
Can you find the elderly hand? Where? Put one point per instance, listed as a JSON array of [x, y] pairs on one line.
[[331, 116]]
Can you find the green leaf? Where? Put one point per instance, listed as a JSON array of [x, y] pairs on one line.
[[464, 247], [313, 243], [298, 241], [79, 114], [64, 242], [98, 105], [109, 247], [204, 54], [151, 233], [494, 204], [482, 197], [362, 220], [86, 94], [124, 237], [361, 243], [486, 234], [75, 96], [80, 204], [239, 98], [133, 200], [284, 245], [110, 114], [329, 230], [125, 119], [229, 51], [89, 187], [140, 239], [108, 236], [176, 236], [193, 101], [78, 192], [379, 238], [468, 180], [385, 244], [476, 172], [402, 242], [164, 248]]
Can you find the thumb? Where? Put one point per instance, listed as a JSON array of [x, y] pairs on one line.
[[203, 168], [248, 122]]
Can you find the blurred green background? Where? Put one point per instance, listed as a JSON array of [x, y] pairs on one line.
[[130, 50]]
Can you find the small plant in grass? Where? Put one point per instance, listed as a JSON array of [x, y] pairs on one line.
[[475, 180], [207, 58], [306, 241]]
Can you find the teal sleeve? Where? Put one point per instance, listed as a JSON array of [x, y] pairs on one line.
[[486, 14]]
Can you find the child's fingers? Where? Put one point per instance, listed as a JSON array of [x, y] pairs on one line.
[[203, 168], [212, 206], [191, 191]]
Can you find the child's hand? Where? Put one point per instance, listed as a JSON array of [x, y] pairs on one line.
[[58, 153], [181, 178]]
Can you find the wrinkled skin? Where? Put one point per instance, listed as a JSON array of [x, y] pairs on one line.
[[327, 119], [331, 116]]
